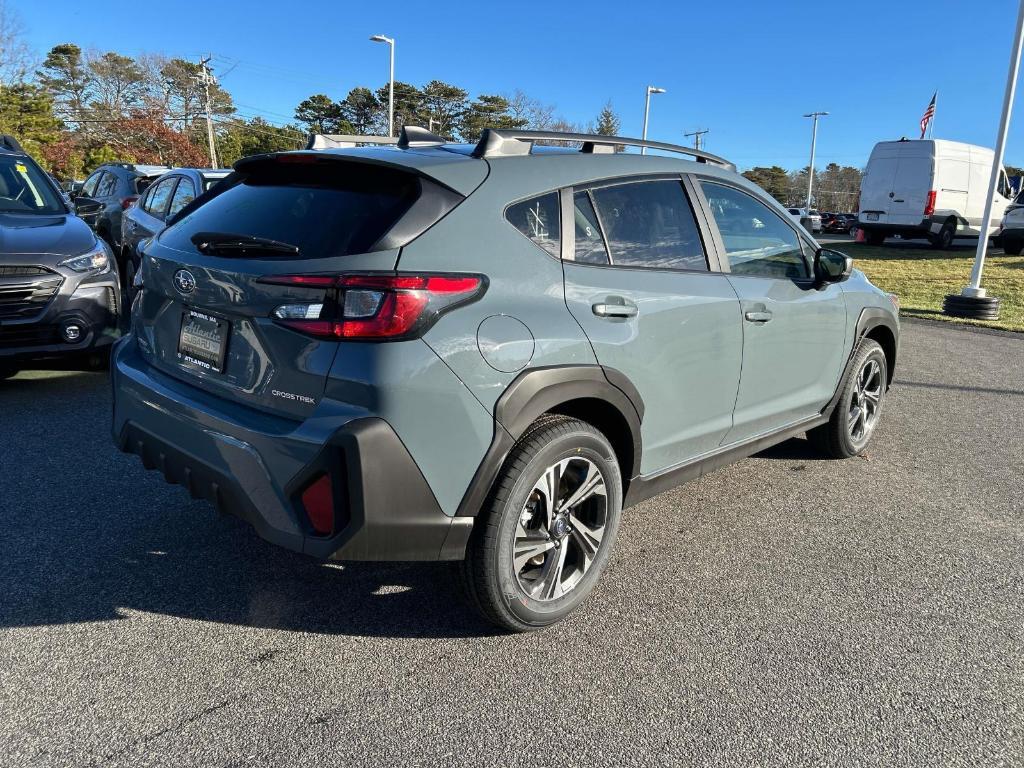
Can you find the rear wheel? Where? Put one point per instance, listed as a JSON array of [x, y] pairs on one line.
[[543, 540], [856, 415], [944, 239], [874, 237], [1012, 247]]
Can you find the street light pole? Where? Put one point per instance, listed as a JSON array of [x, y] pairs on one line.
[[814, 141], [647, 112], [974, 290], [391, 81]]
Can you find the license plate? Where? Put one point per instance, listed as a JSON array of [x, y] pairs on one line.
[[872, 217], [203, 341]]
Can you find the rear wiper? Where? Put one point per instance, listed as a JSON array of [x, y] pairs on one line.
[[228, 243]]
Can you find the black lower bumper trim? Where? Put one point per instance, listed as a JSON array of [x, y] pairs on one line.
[[390, 513]]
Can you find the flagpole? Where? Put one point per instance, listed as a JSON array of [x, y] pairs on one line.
[[931, 124], [972, 301]]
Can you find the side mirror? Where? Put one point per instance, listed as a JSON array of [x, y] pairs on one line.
[[831, 266]]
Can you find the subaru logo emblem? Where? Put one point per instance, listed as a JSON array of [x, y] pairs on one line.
[[184, 281]]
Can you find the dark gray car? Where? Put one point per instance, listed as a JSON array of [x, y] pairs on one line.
[[109, 191], [163, 199], [59, 292], [484, 353]]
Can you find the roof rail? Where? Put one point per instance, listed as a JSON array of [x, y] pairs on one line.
[[411, 136], [497, 142]]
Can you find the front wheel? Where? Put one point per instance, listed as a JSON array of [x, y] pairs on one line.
[[1012, 247], [543, 540], [856, 415]]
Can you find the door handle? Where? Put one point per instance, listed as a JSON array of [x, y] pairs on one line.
[[615, 310], [757, 317]]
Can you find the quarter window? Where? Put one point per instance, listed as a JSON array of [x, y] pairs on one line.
[[590, 248], [537, 218], [650, 224], [757, 241]]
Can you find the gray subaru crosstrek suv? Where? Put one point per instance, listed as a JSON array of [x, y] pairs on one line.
[[484, 353]]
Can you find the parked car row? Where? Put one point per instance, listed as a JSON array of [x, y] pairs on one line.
[[70, 253]]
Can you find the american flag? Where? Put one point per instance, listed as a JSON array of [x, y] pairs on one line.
[[928, 114]]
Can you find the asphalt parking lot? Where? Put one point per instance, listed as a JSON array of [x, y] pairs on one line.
[[785, 610]]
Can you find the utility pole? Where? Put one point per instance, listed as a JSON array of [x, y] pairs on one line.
[[698, 137], [814, 141], [205, 78]]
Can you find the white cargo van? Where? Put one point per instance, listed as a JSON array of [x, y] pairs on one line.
[[931, 189]]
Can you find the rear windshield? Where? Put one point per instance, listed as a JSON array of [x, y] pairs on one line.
[[324, 208]]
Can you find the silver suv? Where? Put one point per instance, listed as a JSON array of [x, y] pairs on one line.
[[484, 353]]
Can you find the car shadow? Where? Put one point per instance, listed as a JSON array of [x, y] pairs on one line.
[[89, 535], [794, 449]]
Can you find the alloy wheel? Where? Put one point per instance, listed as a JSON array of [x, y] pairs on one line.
[[866, 401], [560, 529]]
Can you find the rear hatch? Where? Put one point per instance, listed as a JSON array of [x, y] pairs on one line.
[[876, 185], [212, 280]]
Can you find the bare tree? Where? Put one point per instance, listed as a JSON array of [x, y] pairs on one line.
[[16, 58], [536, 115]]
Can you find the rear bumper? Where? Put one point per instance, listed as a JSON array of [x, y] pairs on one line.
[[256, 466]]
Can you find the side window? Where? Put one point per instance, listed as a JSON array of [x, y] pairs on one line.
[[156, 201], [757, 241], [537, 218], [107, 187], [650, 224], [186, 193], [590, 247], [89, 188]]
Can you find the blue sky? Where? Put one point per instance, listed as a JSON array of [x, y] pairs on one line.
[[747, 70]]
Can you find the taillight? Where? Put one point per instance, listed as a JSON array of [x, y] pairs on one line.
[[374, 306], [929, 206], [128, 202]]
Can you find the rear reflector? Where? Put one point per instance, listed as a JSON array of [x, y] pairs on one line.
[[373, 306], [318, 501]]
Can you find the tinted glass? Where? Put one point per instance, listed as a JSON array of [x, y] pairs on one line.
[[650, 224], [142, 183], [24, 188], [89, 188], [538, 219], [183, 195], [107, 187], [156, 200], [325, 208], [757, 241], [590, 247]]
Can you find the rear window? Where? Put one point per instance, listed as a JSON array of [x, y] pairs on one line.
[[325, 209]]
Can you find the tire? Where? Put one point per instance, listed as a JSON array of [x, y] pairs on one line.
[[874, 237], [569, 552], [856, 414], [1012, 247], [945, 238]]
